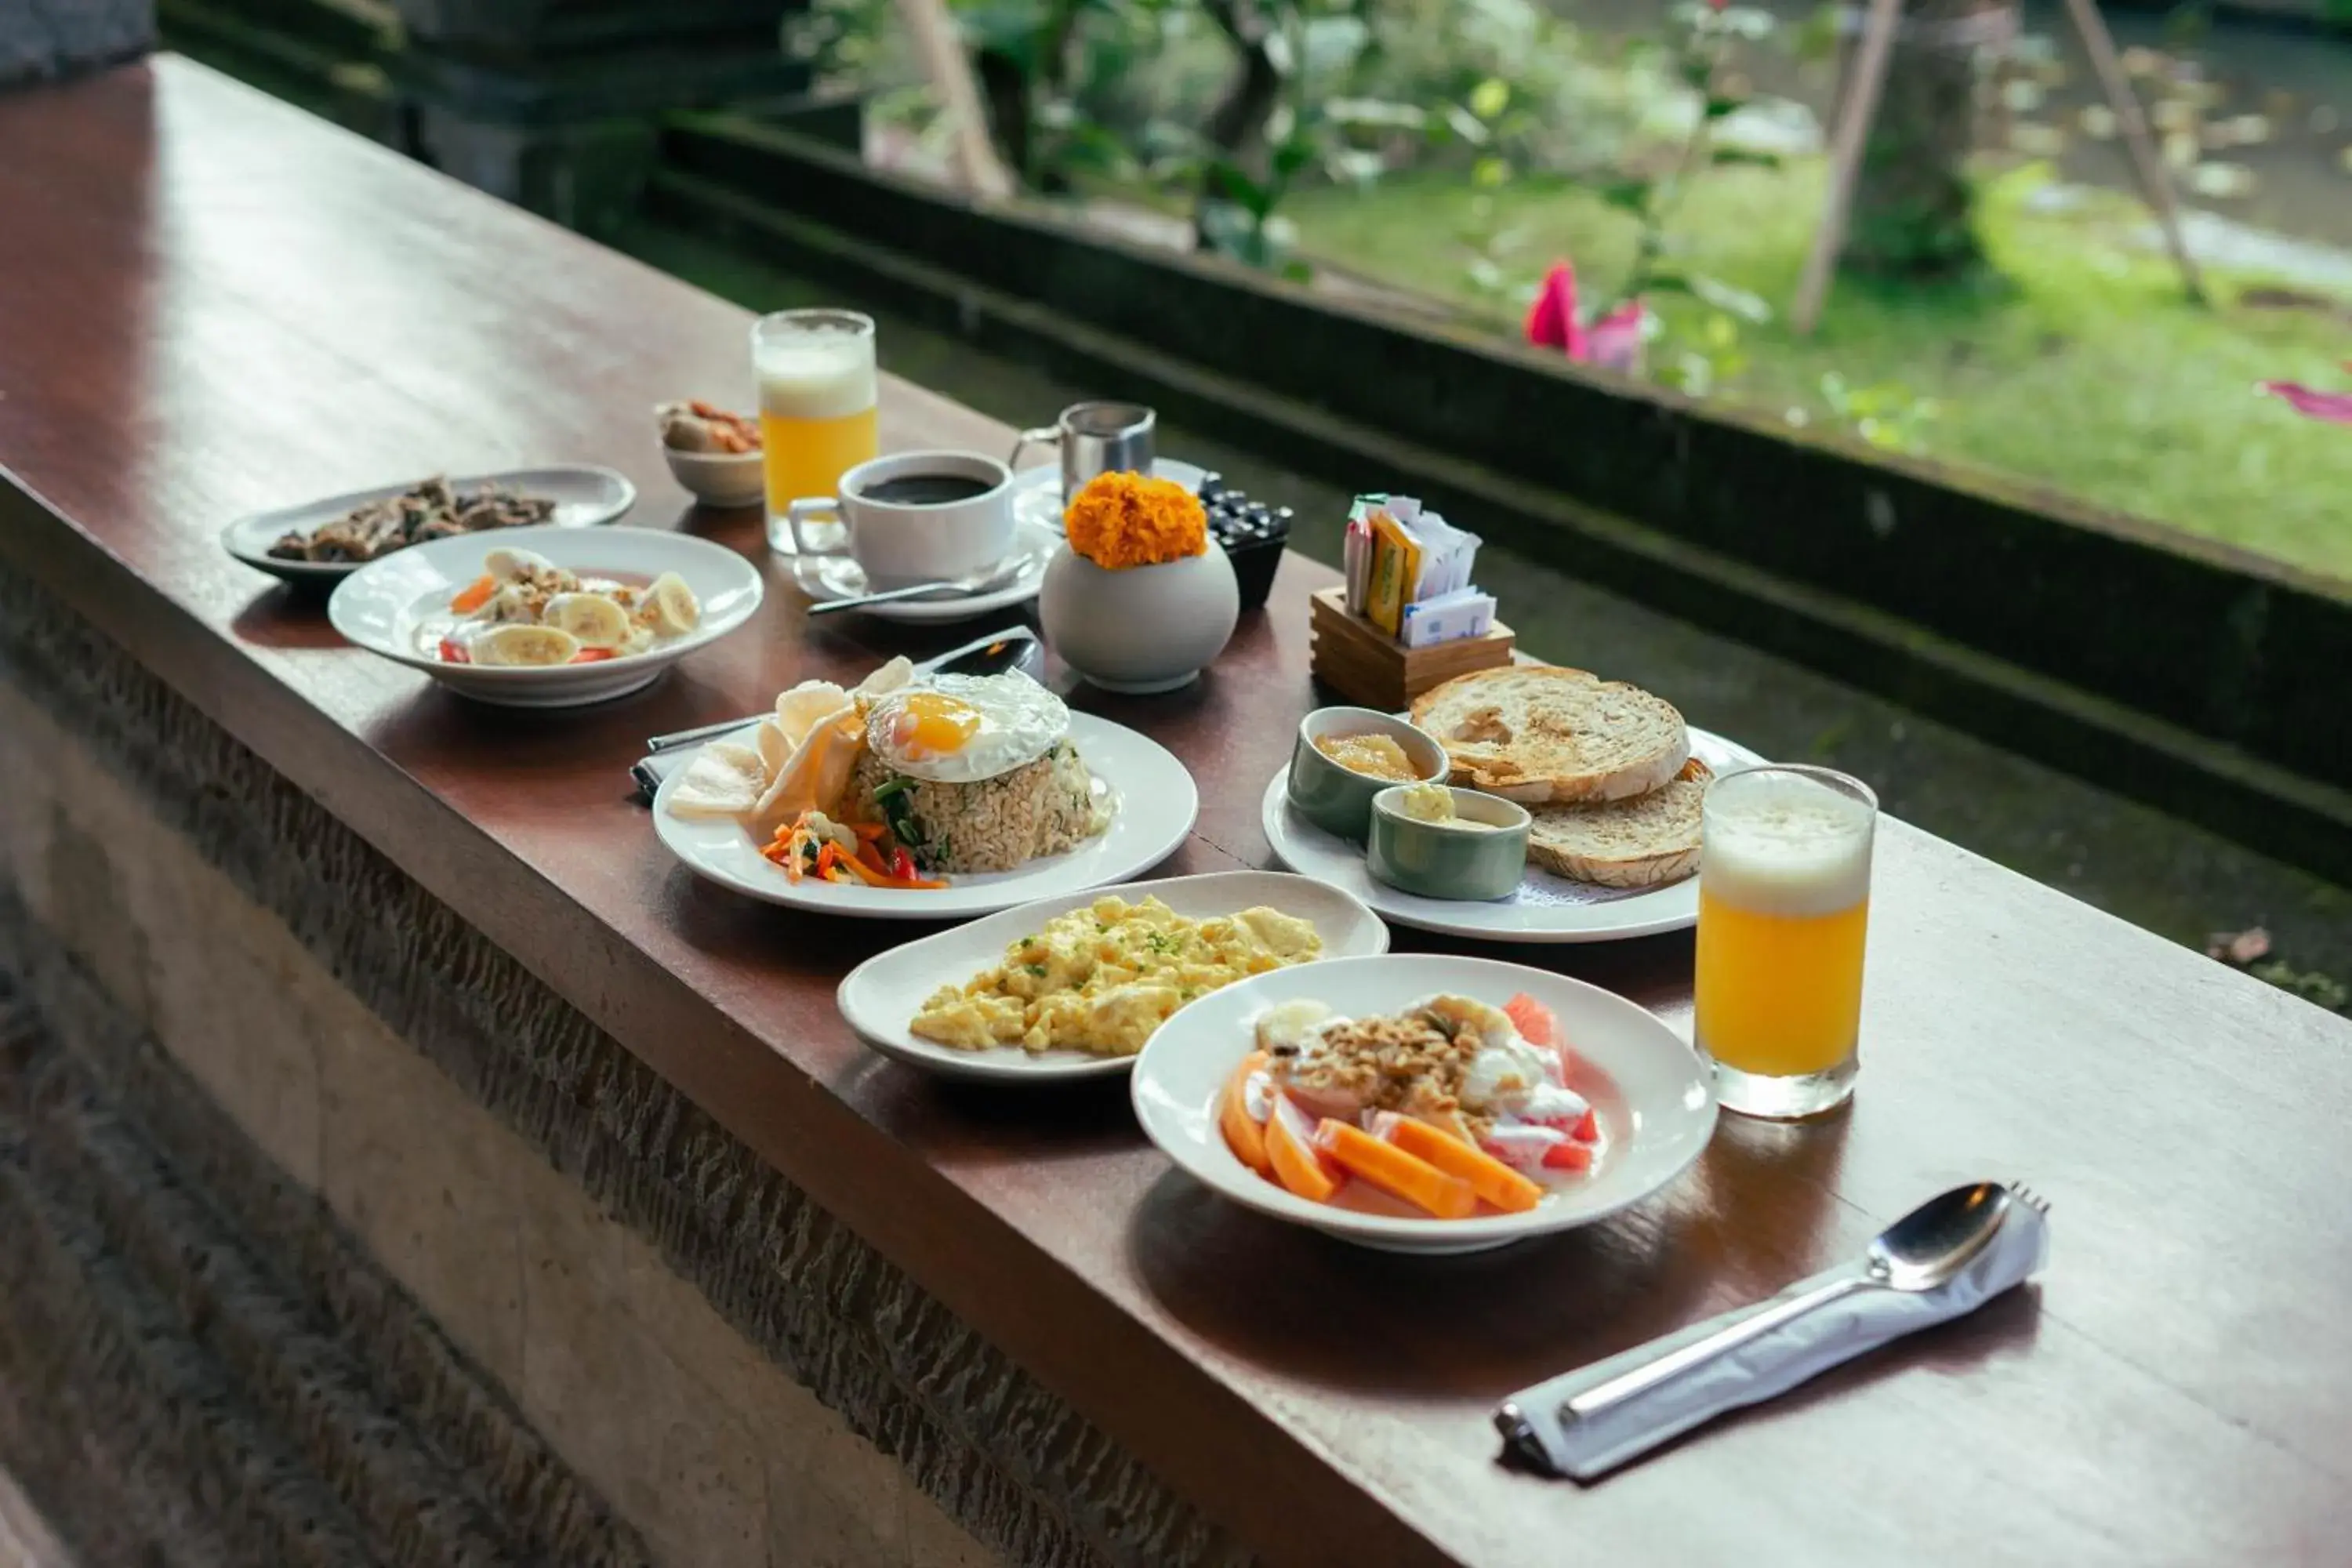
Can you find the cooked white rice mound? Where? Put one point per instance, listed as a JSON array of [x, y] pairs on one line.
[[1039, 808]]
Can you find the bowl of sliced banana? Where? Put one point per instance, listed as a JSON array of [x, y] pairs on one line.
[[547, 617]]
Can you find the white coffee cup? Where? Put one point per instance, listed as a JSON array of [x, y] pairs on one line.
[[916, 517]]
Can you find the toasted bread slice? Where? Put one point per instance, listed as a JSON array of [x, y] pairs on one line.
[[1540, 734], [1638, 843]]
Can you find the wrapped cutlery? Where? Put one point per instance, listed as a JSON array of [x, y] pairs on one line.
[[1944, 1259]]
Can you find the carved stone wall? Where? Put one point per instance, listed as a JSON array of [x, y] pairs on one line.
[[630, 1310], [41, 38]]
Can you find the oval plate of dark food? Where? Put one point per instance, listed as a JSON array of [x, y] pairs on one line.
[[323, 541]]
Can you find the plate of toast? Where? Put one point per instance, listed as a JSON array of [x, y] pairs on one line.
[[1611, 777]]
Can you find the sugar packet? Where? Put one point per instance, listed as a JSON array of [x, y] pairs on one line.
[[1356, 561], [1412, 554], [1464, 613]]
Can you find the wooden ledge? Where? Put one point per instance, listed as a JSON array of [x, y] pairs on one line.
[[216, 305]]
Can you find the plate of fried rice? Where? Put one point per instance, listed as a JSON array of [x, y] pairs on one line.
[[935, 797]]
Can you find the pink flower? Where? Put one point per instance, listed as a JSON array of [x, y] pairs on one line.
[[2333, 407], [1613, 342], [1552, 320]]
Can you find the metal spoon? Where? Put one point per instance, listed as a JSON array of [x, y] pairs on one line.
[[977, 582], [1918, 1252]]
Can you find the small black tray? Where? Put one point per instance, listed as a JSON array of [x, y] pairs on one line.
[[1252, 532]]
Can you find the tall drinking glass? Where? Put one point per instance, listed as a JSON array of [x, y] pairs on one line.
[[1783, 906], [817, 406]]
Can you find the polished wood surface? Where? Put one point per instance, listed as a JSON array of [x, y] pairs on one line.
[[210, 304]]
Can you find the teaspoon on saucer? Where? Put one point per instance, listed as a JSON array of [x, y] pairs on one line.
[[977, 582]]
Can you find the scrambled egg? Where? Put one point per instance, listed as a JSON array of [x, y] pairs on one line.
[[1102, 978]]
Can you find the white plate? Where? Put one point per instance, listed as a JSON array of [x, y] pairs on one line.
[[1157, 804], [824, 577], [1547, 907], [881, 996], [584, 497], [1650, 1091], [380, 605], [1037, 491]]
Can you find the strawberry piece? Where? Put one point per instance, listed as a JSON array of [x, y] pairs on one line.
[[1520, 1146], [1587, 1131], [1568, 1156]]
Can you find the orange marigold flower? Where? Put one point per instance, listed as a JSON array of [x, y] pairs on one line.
[[1130, 519]]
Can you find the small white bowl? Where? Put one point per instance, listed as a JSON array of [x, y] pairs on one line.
[[383, 605], [719, 479]]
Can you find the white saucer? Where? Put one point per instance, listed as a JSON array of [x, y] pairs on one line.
[[824, 577], [1037, 492]]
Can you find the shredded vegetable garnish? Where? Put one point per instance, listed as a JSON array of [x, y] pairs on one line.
[[812, 844]]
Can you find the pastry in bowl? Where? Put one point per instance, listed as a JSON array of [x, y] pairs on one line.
[[1540, 734]]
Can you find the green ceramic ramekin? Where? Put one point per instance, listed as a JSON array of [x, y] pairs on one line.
[[1336, 799], [1444, 859]]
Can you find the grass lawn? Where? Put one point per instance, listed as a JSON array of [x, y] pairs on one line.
[[2079, 366]]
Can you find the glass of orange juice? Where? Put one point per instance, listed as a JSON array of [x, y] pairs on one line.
[[1783, 906], [818, 402]]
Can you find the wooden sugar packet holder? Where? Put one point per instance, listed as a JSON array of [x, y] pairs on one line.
[[1371, 669]]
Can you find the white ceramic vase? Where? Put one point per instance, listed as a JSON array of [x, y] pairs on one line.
[[1141, 629]]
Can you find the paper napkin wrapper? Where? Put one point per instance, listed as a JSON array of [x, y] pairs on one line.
[[1764, 1369]]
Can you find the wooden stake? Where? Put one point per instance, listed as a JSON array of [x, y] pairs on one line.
[[1857, 107], [979, 172], [2155, 183]]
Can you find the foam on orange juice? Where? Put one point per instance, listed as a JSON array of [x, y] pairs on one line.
[[1784, 902], [816, 411]]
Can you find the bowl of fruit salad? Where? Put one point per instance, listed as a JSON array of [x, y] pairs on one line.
[[547, 617], [1423, 1102]]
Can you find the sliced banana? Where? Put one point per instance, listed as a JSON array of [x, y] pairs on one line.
[[509, 564], [671, 605], [594, 620], [508, 603], [515, 643]]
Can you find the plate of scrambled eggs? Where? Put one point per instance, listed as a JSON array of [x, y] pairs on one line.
[[1073, 987]]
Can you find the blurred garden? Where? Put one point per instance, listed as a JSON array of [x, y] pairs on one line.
[[1636, 186]]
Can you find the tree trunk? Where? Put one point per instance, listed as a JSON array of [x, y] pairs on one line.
[[1913, 206], [978, 170], [1004, 91], [1236, 126]]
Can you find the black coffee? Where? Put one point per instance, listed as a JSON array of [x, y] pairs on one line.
[[926, 490]]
